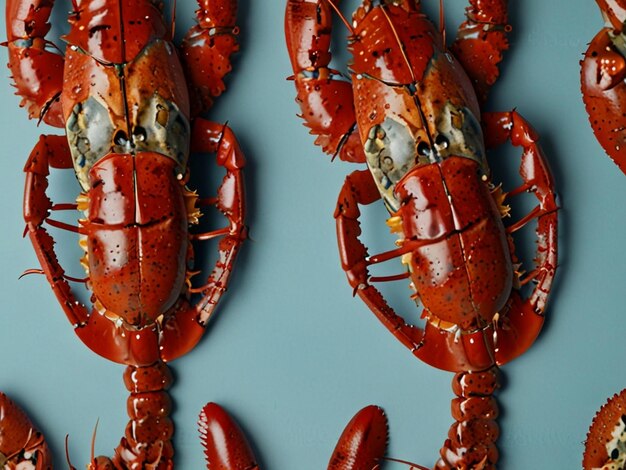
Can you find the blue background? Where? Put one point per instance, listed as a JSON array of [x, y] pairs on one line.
[[291, 353]]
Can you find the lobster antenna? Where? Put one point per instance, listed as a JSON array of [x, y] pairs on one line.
[[442, 23], [173, 14], [93, 442], [343, 18], [67, 452]]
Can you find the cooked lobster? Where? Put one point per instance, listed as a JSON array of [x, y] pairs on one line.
[[410, 108], [129, 101]]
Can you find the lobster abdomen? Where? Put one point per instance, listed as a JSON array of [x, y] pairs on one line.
[[463, 272], [471, 439]]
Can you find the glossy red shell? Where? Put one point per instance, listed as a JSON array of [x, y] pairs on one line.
[[137, 227], [363, 442], [225, 444], [137, 224], [606, 435], [603, 70], [156, 71], [116, 32], [615, 11], [396, 49], [463, 273]]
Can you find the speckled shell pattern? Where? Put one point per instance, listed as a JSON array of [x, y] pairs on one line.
[[605, 447], [463, 273], [21, 444], [118, 59], [471, 439], [398, 50], [603, 70]]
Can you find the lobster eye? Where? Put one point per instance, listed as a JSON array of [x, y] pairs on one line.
[[120, 138], [441, 142], [423, 149], [139, 134]]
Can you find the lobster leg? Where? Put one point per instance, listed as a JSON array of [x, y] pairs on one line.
[[363, 442], [225, 445], [37, 72], [359, 188], [21, 444], [326, 101], [51, 151], [97, 332], [440, 348], [191, 318], [525, 317], [480, 42], [182, 329], [206, 51]]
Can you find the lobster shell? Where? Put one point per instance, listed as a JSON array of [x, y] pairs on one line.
[[610, 418]]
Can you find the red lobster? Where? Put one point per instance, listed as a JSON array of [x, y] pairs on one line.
[[411, 111], [603, 71], [129, 101]]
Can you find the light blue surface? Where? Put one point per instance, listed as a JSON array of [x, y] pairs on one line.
[[291, 353]]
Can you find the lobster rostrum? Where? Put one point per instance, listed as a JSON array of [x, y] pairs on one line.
[[411, 110], [129, 101], [603, 70]]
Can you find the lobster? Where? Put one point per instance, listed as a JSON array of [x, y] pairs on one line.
[[603, 70], [130, 101], [22, 446], [410, 109], [605, 447]]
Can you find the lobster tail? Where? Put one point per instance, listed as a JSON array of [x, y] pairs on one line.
[[471, 439], [147, 440]]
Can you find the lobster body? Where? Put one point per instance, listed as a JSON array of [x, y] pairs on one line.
[[127, 165], [412, 113], [123, 92], [461, 265]]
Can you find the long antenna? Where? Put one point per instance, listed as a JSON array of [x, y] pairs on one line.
[[173, 15], [343, 18]]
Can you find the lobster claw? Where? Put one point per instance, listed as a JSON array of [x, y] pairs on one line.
[[603, 447], [613, 11], [225, 445], [603, 71], [363, 442]]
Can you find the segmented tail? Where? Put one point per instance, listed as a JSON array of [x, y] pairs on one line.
[[471, 439]]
